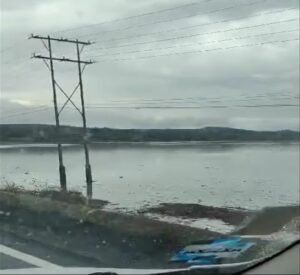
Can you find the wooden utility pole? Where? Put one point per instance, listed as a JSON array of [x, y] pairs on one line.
[[62, 169], [88, 170], [48, 46]]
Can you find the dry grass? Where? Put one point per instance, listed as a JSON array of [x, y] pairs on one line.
[[11, 187], [73, 197], [53, 193]]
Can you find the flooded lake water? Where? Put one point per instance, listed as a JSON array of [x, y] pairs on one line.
[[136, 175]]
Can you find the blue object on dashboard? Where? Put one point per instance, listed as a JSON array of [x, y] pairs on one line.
[[212, 251]]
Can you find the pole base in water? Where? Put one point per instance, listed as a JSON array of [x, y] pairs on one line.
[[63, 178], [89, 181]]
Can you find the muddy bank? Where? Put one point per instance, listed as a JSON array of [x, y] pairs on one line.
[[270, 220], [112, 239], [197, 211], [263, 222]]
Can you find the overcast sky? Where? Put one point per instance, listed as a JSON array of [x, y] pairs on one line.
[[172, 64]]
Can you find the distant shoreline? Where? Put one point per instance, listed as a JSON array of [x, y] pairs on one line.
[[10, 144], [44, 134]]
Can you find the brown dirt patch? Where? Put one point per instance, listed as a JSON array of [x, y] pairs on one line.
[[196, 211]]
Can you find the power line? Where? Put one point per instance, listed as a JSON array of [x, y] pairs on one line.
[[41, 109], [194, 107], [185, 101], [175, 19], [129, 17], [23, 60], [185, 105], [163, 107], [91, 106], [200, 34], [166, 31], [200, 51], [194, 26], [201, 43], [193, 100], [276, 95], [111, 21]]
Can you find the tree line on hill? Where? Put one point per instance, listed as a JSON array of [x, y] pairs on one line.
[[48, 133]]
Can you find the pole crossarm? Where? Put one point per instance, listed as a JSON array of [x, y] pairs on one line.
[[32, 36], [47, 65], [63, 59]]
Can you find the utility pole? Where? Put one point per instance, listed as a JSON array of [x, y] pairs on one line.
[[88, 170], [48, 46], [62, 169]]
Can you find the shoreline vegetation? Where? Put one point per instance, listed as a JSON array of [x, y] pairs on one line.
[[231, 216], [71, 224], [41, 133], [237, 217]]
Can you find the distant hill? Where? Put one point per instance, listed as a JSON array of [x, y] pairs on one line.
[[68, 134]]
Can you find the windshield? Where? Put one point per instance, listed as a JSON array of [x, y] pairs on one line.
[[152, 135]]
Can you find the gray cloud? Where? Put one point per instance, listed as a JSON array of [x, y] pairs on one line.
[[261, 75]]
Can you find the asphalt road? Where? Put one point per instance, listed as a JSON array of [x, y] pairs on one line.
[[20, 253], [8, 262], [17, 253]]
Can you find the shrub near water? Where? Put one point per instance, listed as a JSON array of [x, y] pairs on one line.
[[73, 197]]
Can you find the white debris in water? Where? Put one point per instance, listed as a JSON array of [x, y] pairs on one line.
[[209, 224], [213, 225]]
